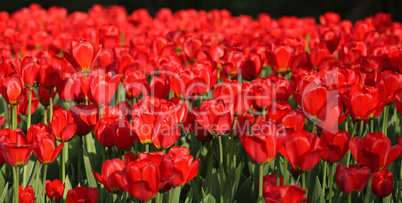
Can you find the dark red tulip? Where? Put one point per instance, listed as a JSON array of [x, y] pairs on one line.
[[243, 124], [129, 157], [141, 179], [104, 131], [26, 195], [271, 180], [302, 150], [184, 168], [284, 193], [63, 126], [264, 142], [165, 164], [85, 116], [382, 183], [49, 76], [13, 90], [216, 116], [110, 175], [82, 55], [2, 119], [335, 145], [251, 67], [124, 136], [159, 87], [44, 96], [82, 194], [374, 150], [54, 189], [15, 147], [353, 178], [382, 21]]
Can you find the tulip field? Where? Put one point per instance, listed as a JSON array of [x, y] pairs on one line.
[[198, 106]]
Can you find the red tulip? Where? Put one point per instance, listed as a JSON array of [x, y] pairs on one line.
[[251, 67], [109, 36], [124, 136], [190, 124], [23, 107], [335, 145], [100, 86], [135, 83], [54, 189], [26, 195], [352, 179], [302, 150], [82, 55], [165, 164], [294, 120], [243, 124], [45, 150], [284, 193], [63, 126], [281, 58], [29, 71], [69, 88], [184, 169], [141, 179], [82, 194], [264, 142], [216, 116], [374, 150], [15, 147], [104, 131], [168, 132], [49, 76], [110, 175], [85, 116], [13, 90], [382, 183], [271, 180], [129, 157], [159, 87], [277, 110]]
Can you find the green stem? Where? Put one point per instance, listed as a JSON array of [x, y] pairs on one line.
[[45, 117], [303, 180], [372, 125], [175, 194], [351, 135], [44, 181], [63, 164], [261, 180], [361, 125], [263, 112], [24, 171], [221, 170], [119, 197], [330, 181], [285, 171], [16, 183], [210, 167], [385, 120], [161, 198], [15, 114], [278, 169], [232, 145], [51, 103], [314, 128], [147, 148], [80, 155], [350, 198], [368, 190], [37, 168], [110, 150], [324, 178]]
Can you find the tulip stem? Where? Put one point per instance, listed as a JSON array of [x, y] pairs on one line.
[[232, 144], [175, 194], [303, 180], [285, 171], [221, 171], [79, 160], [15, 114], [368, 190], [44, 181], [210, 166], [361, 125], [147, 148], [37, 168], [63, 164], [51, 103], [351, 135], [45, 117], [24, 172], [119, 197], [385, 120], [350, 198], [330, 181], [260, 182], [324, 179], [278, 170], [16, 175]]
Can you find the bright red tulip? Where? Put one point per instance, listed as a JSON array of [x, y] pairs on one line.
[[159, 87], [109, 36], [382, 183], [353, 178], [69, 88], [294, 120], [82, 194], [264, 142], [184, 169], [82, 55], [29, 71], [335, 145], [26, 195], [63, 126], [281, 58], [243, 124], [85, 116], [23, 107], [216, 116], [111, 176], [54, 189], [124, 134], [104, 131], [15, 147], [302, 150], [135, 83], [141, 179], [284, 193], [374, 150], [49, 76], [13, 90], [45, 150]]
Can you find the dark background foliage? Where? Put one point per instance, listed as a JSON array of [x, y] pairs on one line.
[[349, 9]]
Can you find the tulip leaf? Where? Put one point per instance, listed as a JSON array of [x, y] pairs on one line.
[[4, 193], [189, 197], [243, 194], [208, 199], [317, 192], [67, 186], [88, 169], [195, 188]]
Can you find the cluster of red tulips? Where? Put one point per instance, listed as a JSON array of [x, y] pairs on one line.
[[197, 106]]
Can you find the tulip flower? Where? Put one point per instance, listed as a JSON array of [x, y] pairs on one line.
[[82, 55], [26, 195], [110, 175], [45, 150], [104, 131], [374, 150], [63, 126], [264, 142], [353, 178], [243, 124], [135, 83], [85, 116], [251, 67], [109, 36], [302, 150], [294, 120], [284, 193], [124, 136], [281, 58], [184, 169], [159, 87], [82, 194], [141, 179], [23, 107], [54, 189], [15, 147], [13, 90], [335, 145], [49, 76], [29, 71], [215, 115], [382, 183]]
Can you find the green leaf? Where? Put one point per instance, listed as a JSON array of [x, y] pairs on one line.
[[88, 169], [208, 199], [317, 192], [67, 186], [189, 197], [4, 193], [244, 195]]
